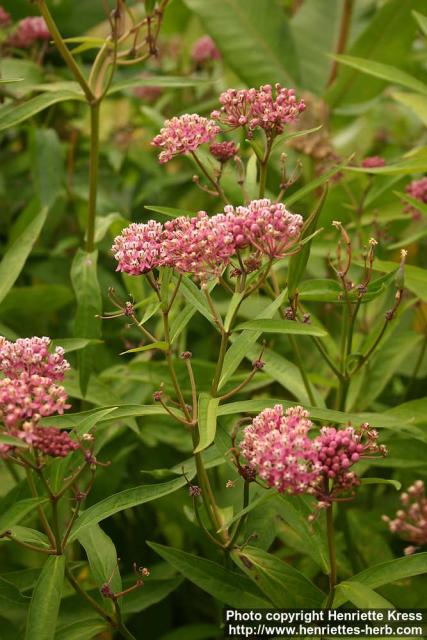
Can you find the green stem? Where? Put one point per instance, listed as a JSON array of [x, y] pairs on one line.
[[220, 363], [301, 367], [326, 357], [121, 627], [332, 556], [63, 50], [171, 367], [56, 527], [91, 601], [263, 167], [212, 180], [42, 515], [93, 175], [242, 520]]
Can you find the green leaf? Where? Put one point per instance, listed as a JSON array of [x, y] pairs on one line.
[[281, 326], [16, 255], [394, 483], [171, 82], [254, 38], [207, 412], [414, 101], [74, 344], [415, 277], [124, 500], [102, 556], [387, 572], [47, 163], [85, 283], [221, 583], [422, 21], [14, 442], [383, 71], [238, 349], [392, 22], [25, 534], [298, 262], [195, 297], [82, 630], [161, 346], [361, 595], [12, 115], [170, 212], [17, 512], [44, 607], [11, 598], [153, 591], [284, 585], [73, 420]]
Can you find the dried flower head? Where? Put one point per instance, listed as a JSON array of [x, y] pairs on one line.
[[204, 50], [184, 134], [277, 447], [268, 228], [201, 246], [29, 31], [416, 189], [138, 248], [263, 108], [410, 522]]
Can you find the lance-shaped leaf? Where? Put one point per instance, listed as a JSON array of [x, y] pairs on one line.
[[47, 162], [17, 512], [161, 346], [12, 115], [281, 326], [298, 262], [85, 283], [207, 412], [221, 583], [44, 607], [361, 595], [102, 556]]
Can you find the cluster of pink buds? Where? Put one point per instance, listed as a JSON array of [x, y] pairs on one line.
[[5, 18], [204, 50], [203, 246], [29, 31], [269, 228], [373, 162], [410, 522], [416, 189], [263, 108], [184, 134], [51, 442], [223, 151], [29, 390], [277, 447]]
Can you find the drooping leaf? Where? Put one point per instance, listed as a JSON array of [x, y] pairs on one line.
[[85, 283], [102, 556], [221, 583], [207, 412], [44, 607], [254, 38]]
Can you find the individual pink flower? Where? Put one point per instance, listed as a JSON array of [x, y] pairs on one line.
[[416, 189], [204, 50], [5, 18], [201, 246], [32, 356], [264, 108], [29, 31], [277, 447], [138, 248], [410, 522], [184, 134], [373, 162], [223, 151], [267, 227]]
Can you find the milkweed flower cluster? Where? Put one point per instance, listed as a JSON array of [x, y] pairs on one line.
[[278, 448], [223, 151], [373, 162], [204, 49], [5, 18], [29, 391], [184, 134], [416, 189], [263, 108], [203, 246], [29, 31], [410, 522]]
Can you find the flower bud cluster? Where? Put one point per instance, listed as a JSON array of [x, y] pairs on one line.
[[51, 442], [416, 189], [5, 18], [29, 31], [203, 246], [263, 108], [204, 50], [277, 446], [410, 522], [373, 162]]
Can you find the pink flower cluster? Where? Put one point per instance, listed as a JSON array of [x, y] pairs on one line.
[[52, 442], [204, 50], [28, 390], [252, 108], [410, 522], [5, 18], [223, 151], [203, 245], [184, 134], [373, 162], [29, 31], [416, 189], [277, 447], [268, 227]]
